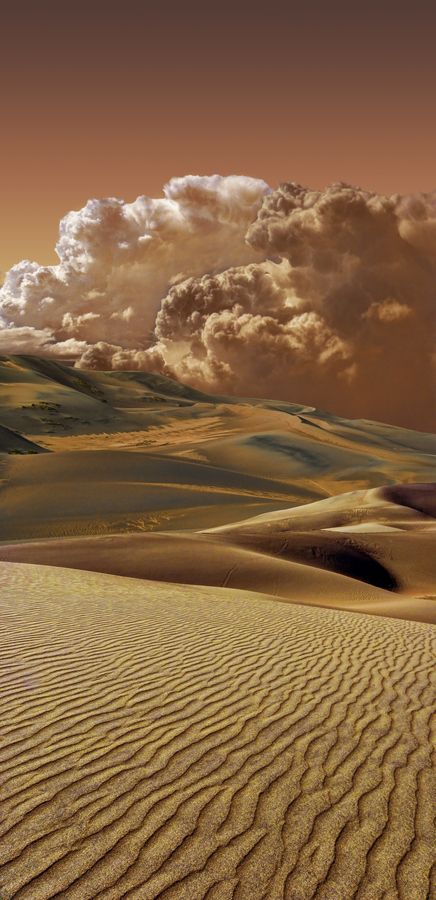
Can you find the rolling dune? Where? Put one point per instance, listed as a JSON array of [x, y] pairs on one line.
[[362, 551], [383, 536], [195, 703], [196, 559], [181, 742], [96, 491], [138, 452]]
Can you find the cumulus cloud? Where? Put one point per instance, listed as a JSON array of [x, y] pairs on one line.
[[342, 314], [117, 260], [320, 297]]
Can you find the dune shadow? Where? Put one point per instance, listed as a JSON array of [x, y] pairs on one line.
[[421, 497], [341, 555]]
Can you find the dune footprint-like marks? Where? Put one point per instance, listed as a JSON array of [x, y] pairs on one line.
[[186, 742]]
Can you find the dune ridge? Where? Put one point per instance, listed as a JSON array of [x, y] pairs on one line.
[[186, 742]]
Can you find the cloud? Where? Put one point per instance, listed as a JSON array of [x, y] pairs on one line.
[[320, 297], [341, 314], [388, 310], [32, 340], [117, 260]]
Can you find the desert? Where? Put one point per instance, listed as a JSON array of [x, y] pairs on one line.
[[217, 629], [195, 742], [217, 450]]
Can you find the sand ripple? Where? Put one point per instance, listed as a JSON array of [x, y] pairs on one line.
[[186, 742]]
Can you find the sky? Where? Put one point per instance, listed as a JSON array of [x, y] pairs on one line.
[[114, 99], [240, 195]]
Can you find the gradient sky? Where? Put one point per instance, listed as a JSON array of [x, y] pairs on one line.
[[112, 99]]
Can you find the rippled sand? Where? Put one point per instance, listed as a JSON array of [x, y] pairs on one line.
[[187, 742]]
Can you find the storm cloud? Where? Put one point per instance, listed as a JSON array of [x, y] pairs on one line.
[[117, 260], [319, 297]]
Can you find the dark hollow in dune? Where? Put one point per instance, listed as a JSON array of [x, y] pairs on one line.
[[336, 554], [355, 563], [421, 497]]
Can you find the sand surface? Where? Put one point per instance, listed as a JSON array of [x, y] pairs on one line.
[[134, 452], [359, 551], [181, 742], [216, 667]]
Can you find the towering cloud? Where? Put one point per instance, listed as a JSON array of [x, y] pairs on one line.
[[117, 261], [342, 314], [322, 297]]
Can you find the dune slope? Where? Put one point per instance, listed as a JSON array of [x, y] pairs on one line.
[[11, 442], [64, 409], [180, 742], [362, 551]]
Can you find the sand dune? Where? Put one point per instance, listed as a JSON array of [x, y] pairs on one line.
[[263, 485], [92, 492], [11, 442], [180, 742], [313, 554], [196, 559], [369, 535], [138, 452], [199, 560], [194, 703], [66, 409], [404, 507]]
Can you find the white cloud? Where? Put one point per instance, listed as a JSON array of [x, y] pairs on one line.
[[117, 259]]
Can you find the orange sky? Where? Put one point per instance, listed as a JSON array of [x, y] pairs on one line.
[[103, 98]]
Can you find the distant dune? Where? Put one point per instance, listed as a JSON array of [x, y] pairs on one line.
[[180, 742], [11, 442], [162, 482], [138, 452]]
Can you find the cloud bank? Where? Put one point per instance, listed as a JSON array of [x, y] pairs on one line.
[[320, 297], [117, 261]]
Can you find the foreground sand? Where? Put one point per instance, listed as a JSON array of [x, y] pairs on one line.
[[186, 742]]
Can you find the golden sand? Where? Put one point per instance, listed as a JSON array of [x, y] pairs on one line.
[[358, 551], [194, 701], [180, 742]]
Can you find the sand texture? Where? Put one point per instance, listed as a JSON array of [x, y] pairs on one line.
[[180, 742]]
